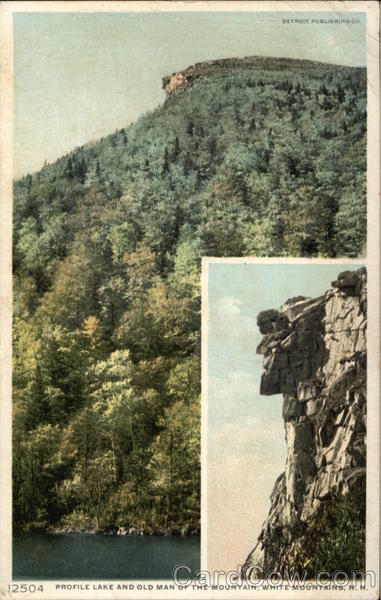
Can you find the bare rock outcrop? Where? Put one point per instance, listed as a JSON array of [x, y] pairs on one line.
[[315, 355]]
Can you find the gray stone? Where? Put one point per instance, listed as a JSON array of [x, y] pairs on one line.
[[320, 368], [266, 320], [312, 407], [306, 391], [292, 408]]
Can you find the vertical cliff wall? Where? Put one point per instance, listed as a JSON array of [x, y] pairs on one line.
[[315, 355]]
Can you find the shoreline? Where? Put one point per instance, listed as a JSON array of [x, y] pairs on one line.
[[113, 531]]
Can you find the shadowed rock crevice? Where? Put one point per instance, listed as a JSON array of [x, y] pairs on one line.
[[315, 355]]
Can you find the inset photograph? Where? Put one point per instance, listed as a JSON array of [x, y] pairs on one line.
[[284, 409]]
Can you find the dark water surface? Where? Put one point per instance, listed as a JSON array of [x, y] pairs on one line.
[[81, 556]]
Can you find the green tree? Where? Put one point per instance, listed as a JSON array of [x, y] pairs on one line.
[[335, 541], [175, 465]]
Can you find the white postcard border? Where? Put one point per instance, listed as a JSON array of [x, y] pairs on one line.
[[7, 9]]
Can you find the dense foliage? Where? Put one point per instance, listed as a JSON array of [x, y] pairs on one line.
[[335, 540], [107, 247]]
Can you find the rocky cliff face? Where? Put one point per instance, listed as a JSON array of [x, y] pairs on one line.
[[180, 80], [315, 355]]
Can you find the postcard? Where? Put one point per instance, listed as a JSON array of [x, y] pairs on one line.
[[190, 250]]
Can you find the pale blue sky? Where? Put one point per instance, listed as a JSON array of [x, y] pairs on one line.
[[78, 76], [246, 446]]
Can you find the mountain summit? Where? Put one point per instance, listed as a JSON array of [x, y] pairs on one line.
[[180, 80]]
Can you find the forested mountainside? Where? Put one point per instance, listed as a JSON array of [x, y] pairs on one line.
[[107, 248]]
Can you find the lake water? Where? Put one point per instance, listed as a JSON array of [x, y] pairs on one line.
[[81, 556]]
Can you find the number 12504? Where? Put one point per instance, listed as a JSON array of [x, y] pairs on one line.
[[24, 588]]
